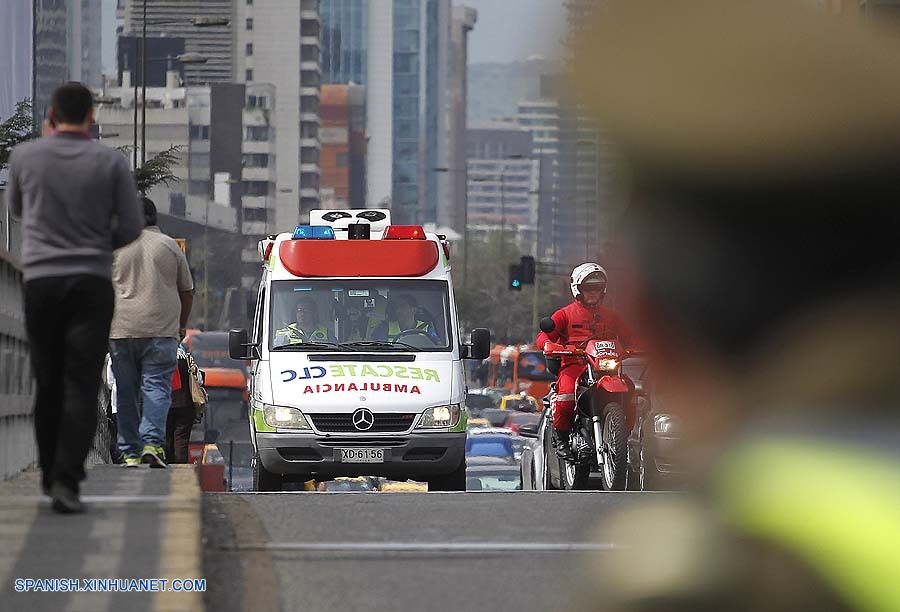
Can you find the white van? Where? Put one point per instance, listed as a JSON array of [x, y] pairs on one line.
[[356, 355]]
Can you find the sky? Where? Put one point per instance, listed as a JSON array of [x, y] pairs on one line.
[[510, 30]]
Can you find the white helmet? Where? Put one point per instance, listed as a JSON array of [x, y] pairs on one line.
[[582, 272]]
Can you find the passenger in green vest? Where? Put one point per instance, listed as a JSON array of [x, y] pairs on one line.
[[762, 149], [307, 328], [403, 322]]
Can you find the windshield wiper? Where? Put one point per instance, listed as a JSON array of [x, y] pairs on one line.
[[303, 346], [378, 344]]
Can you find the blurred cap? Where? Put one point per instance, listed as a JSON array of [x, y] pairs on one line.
[[762, 140], [739, 90]]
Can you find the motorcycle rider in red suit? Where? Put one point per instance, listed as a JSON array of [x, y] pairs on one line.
[[584, 319]]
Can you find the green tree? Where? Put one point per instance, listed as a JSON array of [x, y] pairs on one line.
[[16, 129], [487, 302], [157, 170]]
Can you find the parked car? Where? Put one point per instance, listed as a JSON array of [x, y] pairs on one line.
[[520, 402], [492, 474], [531, 464], [655, 441], [518, 446], [516, 419], [495, 416], [490, 444], [477, 423], [476, 402]]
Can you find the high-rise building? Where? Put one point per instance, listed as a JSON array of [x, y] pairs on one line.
[[279, 43], [502, 184], [85, 37], [542, 119], [343, 137], [452, 206], [344, 36], [176, 18], [226, 169], [588, 200], [406, 66], [50, 67], [128, 58], [16, 47]]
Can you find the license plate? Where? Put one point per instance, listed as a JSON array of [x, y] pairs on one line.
[[360, 455]]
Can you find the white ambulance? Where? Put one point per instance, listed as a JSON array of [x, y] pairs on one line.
[[356, 355]]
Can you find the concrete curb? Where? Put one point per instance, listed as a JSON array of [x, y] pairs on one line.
[[182, 557]]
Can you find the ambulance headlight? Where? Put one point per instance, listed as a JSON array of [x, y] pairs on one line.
[[440, 416], [284, 417]]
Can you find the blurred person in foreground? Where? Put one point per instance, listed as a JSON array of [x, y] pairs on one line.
[[763, 145], [154, 295], [78, 201]]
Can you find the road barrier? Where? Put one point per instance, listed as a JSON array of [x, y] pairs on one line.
[[17, 446]]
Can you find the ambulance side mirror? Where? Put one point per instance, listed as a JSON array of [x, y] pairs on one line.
[[238, 345], [480, 348]]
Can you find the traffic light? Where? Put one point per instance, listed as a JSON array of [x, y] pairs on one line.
[[515, 277], [526, 266]]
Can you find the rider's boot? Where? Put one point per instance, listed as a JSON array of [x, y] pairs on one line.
[[563, 446]]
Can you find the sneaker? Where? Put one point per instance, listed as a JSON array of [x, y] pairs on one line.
[[65, 500], [132, 462], [155, 456]]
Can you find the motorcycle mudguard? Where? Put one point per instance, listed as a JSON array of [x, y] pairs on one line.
[[612, 384]]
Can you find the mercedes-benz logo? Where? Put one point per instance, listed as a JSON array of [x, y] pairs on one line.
[[363, 419]]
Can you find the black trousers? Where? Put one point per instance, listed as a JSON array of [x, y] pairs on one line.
[[67, 319], [178, 432]]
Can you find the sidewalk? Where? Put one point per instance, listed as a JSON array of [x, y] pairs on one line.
[[140, 523]]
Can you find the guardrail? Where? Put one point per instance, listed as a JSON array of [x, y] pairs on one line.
[[17, 446]]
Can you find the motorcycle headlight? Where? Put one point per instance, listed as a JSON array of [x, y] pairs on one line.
[[665, 424], [607, 365], [440, 416], [284, 417]]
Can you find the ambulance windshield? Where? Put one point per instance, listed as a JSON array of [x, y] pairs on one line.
[[376, 314]]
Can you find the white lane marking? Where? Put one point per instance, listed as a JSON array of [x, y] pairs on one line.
[[111, 499], [433, 546]]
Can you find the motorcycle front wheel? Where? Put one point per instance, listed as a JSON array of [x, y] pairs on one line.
[[615, 448]]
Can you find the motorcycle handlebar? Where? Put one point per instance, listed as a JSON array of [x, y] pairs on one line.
[[570, 350]]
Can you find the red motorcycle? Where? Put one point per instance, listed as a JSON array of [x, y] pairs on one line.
[[604, 414]]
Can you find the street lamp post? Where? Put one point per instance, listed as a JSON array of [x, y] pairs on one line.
[[198, 22]]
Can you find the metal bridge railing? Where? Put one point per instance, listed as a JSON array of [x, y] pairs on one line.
[[17, 446]]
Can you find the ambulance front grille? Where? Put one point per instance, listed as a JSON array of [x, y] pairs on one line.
[[343, 423]]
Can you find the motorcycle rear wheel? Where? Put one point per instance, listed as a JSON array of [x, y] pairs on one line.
[[574, 476], [615, 443]]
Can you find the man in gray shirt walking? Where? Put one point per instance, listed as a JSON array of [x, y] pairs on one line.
[[78, 202]]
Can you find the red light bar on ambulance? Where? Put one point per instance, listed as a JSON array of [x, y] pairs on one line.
[[404, 232], [313, 232]]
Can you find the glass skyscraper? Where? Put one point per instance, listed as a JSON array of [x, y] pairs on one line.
[[415, 105], [344, 33]]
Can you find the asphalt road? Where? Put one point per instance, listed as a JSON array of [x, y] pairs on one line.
[[436, 552]]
